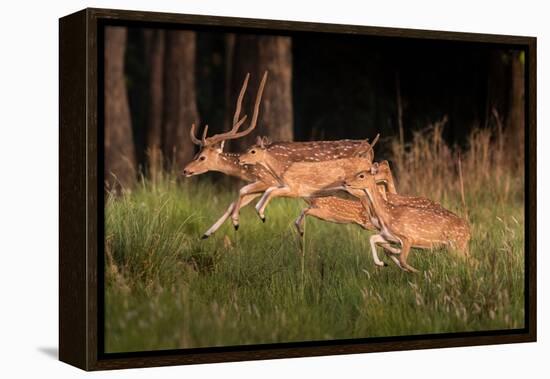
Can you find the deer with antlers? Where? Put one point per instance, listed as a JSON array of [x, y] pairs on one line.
[[414, 223], [212, 157]]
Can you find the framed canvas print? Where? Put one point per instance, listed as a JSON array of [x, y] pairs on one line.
[[237, 189]]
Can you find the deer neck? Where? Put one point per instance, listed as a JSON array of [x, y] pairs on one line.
[[367, 206], [378, 205], [274, 166], [229, 165]]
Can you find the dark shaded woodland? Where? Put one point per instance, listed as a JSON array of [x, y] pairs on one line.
[[320, 86]]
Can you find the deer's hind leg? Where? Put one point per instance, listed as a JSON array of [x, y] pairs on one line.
[[321, 213], [405, 250], [391, 252], [299, 222]]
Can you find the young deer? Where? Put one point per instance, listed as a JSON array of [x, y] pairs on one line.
[[426, 226], [211, 157], [346, 211]]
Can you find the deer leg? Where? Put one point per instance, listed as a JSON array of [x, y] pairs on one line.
[[394, 259], [374, 240], [244, 202], [391, 252], [268, 195], [322, 214], [220, 221], [405, 250], [299, 222], [262, 200], [252, 188], [390, 249]]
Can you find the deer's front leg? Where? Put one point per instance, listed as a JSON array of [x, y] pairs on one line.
[[270, 193], [220, 221], [374, 240], [244, 202], [390, 251], [250, 189]]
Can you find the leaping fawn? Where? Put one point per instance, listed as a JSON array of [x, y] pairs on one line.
[[408, 225]]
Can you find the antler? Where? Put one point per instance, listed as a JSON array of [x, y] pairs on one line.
[[370, 148], [192, 133], [240, 99], [234, 133]]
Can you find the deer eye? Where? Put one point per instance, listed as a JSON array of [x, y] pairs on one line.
[[202, 158], [252, 151], [362, 176]]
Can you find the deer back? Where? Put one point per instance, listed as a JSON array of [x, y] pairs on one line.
[[428, 225], [309, 177], [314, 151]]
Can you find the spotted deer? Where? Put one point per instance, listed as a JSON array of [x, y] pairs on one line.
[[414, 223], [346, 210], [352, 210], [212, 157]]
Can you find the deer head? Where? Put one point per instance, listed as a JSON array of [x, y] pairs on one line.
[[210, 156], [358, 183], [256, 153]]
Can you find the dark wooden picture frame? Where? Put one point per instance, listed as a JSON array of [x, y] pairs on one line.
[[81, 199]]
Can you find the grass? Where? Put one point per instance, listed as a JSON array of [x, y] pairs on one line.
[[166, 288]]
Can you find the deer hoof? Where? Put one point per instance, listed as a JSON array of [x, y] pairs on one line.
[[236, 226], [204, 236], [263, 218]]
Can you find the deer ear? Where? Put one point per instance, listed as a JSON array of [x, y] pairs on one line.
[[374, 168], [261, 142], [258, 140], [266, 140]]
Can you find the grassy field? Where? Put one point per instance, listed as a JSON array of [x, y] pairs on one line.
[[166, 288]]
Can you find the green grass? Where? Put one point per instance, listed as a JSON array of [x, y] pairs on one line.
[[166, 288]]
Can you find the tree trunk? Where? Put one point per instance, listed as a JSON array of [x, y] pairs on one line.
[[256, 54], [154, 46], [180, 106], [516, 116], [120, 161]]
